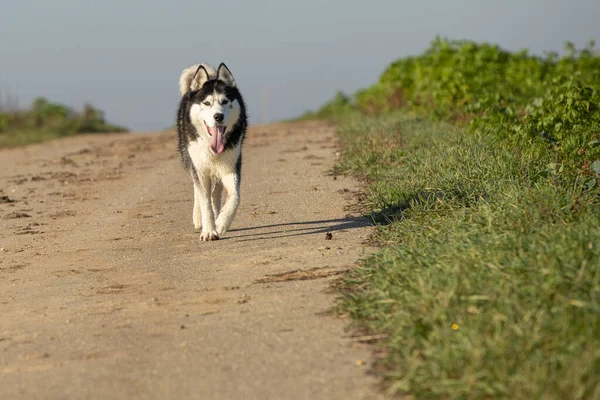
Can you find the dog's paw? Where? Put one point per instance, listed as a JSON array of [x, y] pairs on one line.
[[197, 226], [208, 236], [221, 229]]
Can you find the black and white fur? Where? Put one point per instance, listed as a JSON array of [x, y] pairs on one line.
[[211, 126]]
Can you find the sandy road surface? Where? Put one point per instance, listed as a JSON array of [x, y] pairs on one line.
[[106, 291]]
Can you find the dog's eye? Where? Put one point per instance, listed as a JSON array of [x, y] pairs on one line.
[[225, 102], [206, 103]]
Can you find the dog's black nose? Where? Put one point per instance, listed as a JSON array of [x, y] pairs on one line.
[[218, 117]]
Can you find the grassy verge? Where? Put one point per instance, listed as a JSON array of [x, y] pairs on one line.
[[45, 120], [483, 235], [25, 137]]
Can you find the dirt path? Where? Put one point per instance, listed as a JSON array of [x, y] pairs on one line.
[[106, 291]]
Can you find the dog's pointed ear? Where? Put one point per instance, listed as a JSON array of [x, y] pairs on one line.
[[200, 78], [194, 77], [225, 75]]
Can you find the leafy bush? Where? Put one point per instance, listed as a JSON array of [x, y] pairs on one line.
[[564, 121]]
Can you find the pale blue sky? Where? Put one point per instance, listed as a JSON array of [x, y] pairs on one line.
[[125, 56]]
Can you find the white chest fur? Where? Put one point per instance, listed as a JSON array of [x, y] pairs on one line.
[[210, 164]]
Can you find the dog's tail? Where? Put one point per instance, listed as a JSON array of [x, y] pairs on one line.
[[187, 80]]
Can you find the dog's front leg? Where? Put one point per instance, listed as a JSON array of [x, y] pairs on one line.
[[231, 183], [197, 212], [208, 218]]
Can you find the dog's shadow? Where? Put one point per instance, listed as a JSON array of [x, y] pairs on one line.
[[290, 229]]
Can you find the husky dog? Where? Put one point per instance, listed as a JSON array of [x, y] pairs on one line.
[[211, 125]]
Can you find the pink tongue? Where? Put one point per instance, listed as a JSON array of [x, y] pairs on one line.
[[216, 140]]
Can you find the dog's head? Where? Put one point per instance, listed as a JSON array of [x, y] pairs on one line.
[[215, 104]]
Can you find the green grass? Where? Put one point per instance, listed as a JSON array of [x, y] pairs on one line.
[[480, 233]]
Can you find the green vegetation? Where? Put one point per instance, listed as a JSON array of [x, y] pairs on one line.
[[539, 103], [45, 120], [485, 190]]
